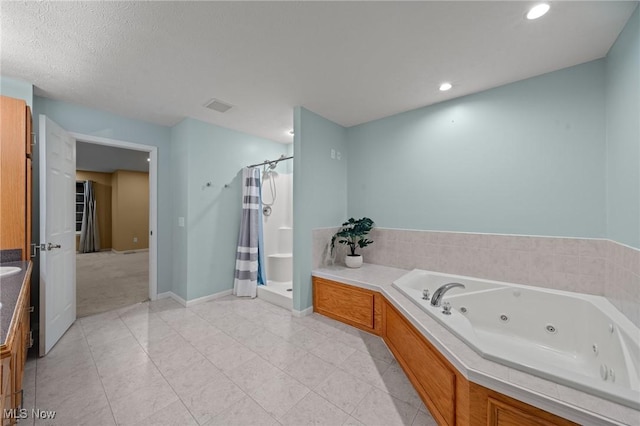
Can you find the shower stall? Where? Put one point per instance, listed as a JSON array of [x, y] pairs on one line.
[[277, 219]]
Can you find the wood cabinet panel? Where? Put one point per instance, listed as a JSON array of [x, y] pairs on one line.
[[431, 376], [17, 367], [352, 305], [13, 173], [462, 400], [29, 129], [5, 384], [378, 313], [28, 192], [501, 414], [492, 408], [21, 343]]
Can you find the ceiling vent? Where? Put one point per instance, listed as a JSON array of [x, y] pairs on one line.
[[218, 105]]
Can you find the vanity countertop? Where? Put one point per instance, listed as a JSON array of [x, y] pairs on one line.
[[561, 400], [10, 287]]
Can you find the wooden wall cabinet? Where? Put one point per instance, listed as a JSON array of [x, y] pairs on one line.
[[15, 175], [449, 396], [355, 306]]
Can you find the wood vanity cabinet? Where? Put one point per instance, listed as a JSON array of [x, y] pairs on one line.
[[449, 396], [13, 354], [15, 175], [15, 228], [355, 306]]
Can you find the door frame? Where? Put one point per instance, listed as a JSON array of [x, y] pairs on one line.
[[153, 197]]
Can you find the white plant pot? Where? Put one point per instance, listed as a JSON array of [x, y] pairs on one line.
[[353, 261]]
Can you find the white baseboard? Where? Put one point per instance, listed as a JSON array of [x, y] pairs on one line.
[[164, 295], [172, 295], [189, 303], [128, 251], [302, 313], [209, 297]]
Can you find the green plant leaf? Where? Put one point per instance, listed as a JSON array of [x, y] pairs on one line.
[[352, 234]]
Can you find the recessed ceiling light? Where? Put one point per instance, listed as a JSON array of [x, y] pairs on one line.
[[445, 86], [148, 159], [537, 11]]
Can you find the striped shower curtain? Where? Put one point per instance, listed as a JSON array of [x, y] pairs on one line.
[[250, 254], [89, 236]]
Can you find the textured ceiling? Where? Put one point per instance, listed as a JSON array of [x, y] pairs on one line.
[[350, 62]]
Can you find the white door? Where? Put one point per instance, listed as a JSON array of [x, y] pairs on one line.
[[57, 233]]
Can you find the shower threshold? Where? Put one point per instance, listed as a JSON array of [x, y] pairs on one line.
[[277, 293]]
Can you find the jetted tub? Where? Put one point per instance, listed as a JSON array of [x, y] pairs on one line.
[[574, 339]]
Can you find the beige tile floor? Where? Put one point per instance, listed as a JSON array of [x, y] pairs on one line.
[[226, 362]]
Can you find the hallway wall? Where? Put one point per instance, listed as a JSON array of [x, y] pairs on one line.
[[130, 210]]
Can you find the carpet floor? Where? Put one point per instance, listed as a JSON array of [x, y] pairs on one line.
[[107, 281]]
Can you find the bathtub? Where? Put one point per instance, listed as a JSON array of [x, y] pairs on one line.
[[578, 340]]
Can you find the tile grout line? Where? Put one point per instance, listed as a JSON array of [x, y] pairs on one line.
[[227, 376], [341, 329], [95, 366], [278, 368], [159, 370], [335, 368]]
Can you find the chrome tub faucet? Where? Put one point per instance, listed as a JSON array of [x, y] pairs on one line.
[[436, 299]]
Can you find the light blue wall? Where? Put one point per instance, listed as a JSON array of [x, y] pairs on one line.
[[217, 155], [289, 163], [623, 135], [180, 202], [319, 191], [524, 158], [18, 89], [75, 118]]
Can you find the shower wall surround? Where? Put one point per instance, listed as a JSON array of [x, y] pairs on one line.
[[594, 266]]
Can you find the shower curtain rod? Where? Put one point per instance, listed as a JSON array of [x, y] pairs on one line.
[[269, 162]]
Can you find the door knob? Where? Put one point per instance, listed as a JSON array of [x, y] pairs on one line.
[[52, 246]]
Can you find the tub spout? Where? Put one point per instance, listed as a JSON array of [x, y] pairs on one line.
[[436, 299]]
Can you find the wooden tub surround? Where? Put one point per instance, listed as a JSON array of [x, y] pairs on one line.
[[449, 391], [351, 305]]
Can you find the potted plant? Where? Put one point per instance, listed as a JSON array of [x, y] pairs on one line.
[[352, 234]]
